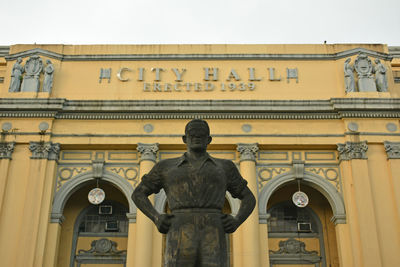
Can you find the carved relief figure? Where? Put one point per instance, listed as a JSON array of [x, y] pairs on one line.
[[380, 75], [363, 66], [33, 68], [16, 76], [349, 76], [48, 77]]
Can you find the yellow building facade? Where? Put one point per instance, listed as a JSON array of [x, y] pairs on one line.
[[320, 119]]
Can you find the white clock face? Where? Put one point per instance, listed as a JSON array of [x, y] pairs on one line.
[[300, 199], [96, 196]]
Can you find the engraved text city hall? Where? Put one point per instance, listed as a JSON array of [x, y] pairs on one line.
[[153, 79]]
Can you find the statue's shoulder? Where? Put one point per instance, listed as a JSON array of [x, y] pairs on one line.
[[224, 162], [169, 162]]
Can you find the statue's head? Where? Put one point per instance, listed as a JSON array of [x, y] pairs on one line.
[[377, 61], [197, 135]]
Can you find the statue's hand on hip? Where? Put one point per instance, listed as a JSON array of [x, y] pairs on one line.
[[163, 222], [230, 223]]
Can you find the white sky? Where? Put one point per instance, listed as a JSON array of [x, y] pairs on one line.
[[199, 22]]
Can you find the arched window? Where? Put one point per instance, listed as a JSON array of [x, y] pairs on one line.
[[288, 218], [97, 232], [108, 217], [296, 230]]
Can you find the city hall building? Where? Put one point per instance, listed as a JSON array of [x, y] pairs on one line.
[[314, 129]]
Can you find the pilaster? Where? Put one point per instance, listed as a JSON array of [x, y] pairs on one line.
[[250, 228], [6, 150], [356, 153], [143, 252], [393, 158], [387, 220], [38, 201], [53, 241], [348, 235]]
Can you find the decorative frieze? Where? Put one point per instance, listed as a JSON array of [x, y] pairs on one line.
[[103, 247], [247, 151], [44, 150], [392, 149], [292, 246], [6, 149], [148, 151], [352, 150]]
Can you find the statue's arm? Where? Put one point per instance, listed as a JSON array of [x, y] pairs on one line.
[[140, 197], [248, 202], [247, 205]]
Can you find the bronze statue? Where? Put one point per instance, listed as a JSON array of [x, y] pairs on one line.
[[195, 185]]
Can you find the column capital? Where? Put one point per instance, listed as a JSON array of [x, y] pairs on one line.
[[6, 150], [44, 150], [352, 150], [248, 152], [392, 149], [148, 151]]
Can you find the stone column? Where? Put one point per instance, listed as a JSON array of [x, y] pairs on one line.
[[250, 228], [348, 235], [387, 220], [38, 198], [6, 150], [53, 240], [144, 226], [393, 157], [356, 152]]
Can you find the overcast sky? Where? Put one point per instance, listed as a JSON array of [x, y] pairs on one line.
[[199, 22]]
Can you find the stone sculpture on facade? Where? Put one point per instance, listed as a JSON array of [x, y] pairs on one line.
[[16, 76], [31, 78], [33, 68], [364, 69], [380, 75], [365, 75], [195, 185], [349, 76], [48, 76]]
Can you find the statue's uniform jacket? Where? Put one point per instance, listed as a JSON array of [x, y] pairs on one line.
[[196, 197]]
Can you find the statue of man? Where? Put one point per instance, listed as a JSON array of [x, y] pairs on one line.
[[195, 185]]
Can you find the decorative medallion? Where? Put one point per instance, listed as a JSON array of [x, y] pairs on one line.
[[292, 246], [300, 199], [363, 66], [96, 196], [33, 68], [103, 247]]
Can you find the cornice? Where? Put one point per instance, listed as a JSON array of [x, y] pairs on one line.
[[335, 108], [4, 50], [166, 57], [394, 51]]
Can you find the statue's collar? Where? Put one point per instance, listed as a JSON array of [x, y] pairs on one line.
[[184, 158]]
